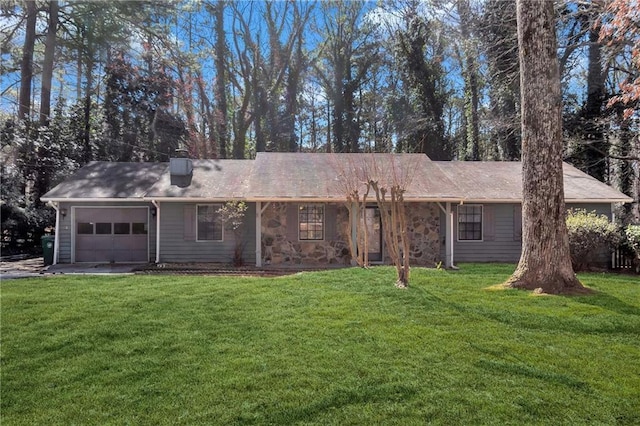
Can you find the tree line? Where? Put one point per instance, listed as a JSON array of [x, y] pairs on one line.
[[135, 80]]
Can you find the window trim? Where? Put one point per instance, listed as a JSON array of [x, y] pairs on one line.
[[481, 223], [198, 240], [324, 225]]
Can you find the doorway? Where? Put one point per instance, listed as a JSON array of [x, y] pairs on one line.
[[374, 233]]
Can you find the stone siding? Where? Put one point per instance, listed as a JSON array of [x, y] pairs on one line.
[[278, 248], [423, 220]]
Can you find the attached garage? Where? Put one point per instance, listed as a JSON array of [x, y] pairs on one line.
[[111, 234]]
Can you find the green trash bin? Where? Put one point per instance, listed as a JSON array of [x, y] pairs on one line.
[[47, 248]]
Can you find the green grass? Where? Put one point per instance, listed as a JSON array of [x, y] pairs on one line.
[[336, 347]]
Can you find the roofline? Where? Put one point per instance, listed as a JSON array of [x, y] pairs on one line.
[[92, 200], [567, 200], [324, 199], [599, 200]]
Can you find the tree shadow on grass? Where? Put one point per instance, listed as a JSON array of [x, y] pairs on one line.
[[528, 371], [342, 397], [606, 301]]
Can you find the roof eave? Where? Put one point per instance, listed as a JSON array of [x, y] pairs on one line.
[[91, 199]]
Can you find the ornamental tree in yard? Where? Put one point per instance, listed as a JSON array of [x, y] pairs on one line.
[[385, 180], [545, 261]]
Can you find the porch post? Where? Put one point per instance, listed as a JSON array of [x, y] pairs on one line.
[[448, 245], [258, 234], [355, 217], [156, 204], [56, 240]]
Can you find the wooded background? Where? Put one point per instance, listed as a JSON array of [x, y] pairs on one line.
[[133, 81]]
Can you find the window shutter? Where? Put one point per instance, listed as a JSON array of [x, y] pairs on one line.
[[189, 217], [489, 219], [330, 225], [517, 222], [292, 222]]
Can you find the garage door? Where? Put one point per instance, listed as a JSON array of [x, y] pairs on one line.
[[111, 234]]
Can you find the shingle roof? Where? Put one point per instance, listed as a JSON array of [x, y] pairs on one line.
[[502, 181], [304, 176], [105, 179], [212, 180], [327, 176]]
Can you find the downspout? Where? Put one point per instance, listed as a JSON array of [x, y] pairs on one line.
[[157, 206], [56, 240]]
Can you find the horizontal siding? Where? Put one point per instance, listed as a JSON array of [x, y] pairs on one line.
[[174, 247], [604, 209], [65, 238], [503, 248]]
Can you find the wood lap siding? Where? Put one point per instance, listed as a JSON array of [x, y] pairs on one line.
[[178, 240], [498, 243], [505, 244]]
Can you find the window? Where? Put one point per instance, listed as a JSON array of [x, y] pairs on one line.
[[103, 228], [85, 228], [121, 228], [209, 223], [311, 222], [470, 223], [138, 228]]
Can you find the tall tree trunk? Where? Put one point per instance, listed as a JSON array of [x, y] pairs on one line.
[[545, 261], [470, 73], [595, 147], [88, 150], [26, 66], [47, 67], [221, 81]]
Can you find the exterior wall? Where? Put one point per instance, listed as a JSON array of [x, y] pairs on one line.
[[281, 245], [504, 243], [65, 239], [423, 220], [175, 246]]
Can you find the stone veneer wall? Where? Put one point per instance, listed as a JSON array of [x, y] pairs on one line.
[[423, 220], [277, 248]]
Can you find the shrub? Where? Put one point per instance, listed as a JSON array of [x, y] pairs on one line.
[[632, 243], [632, 232], [589, 235]]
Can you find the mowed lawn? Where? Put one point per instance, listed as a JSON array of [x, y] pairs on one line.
[[336, 347]]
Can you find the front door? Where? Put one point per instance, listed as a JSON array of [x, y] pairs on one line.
[[374, 233]]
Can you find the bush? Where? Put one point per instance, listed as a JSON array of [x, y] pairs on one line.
[[632, 233], [590, 235], [632, 244]]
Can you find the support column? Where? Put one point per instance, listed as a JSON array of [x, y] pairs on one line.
[[258, 234], [157, 206], [448, 246], [56, 240]]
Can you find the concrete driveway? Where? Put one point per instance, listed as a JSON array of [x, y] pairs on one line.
[[35, 268]]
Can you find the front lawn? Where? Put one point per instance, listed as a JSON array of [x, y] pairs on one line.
[[335, 347]]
